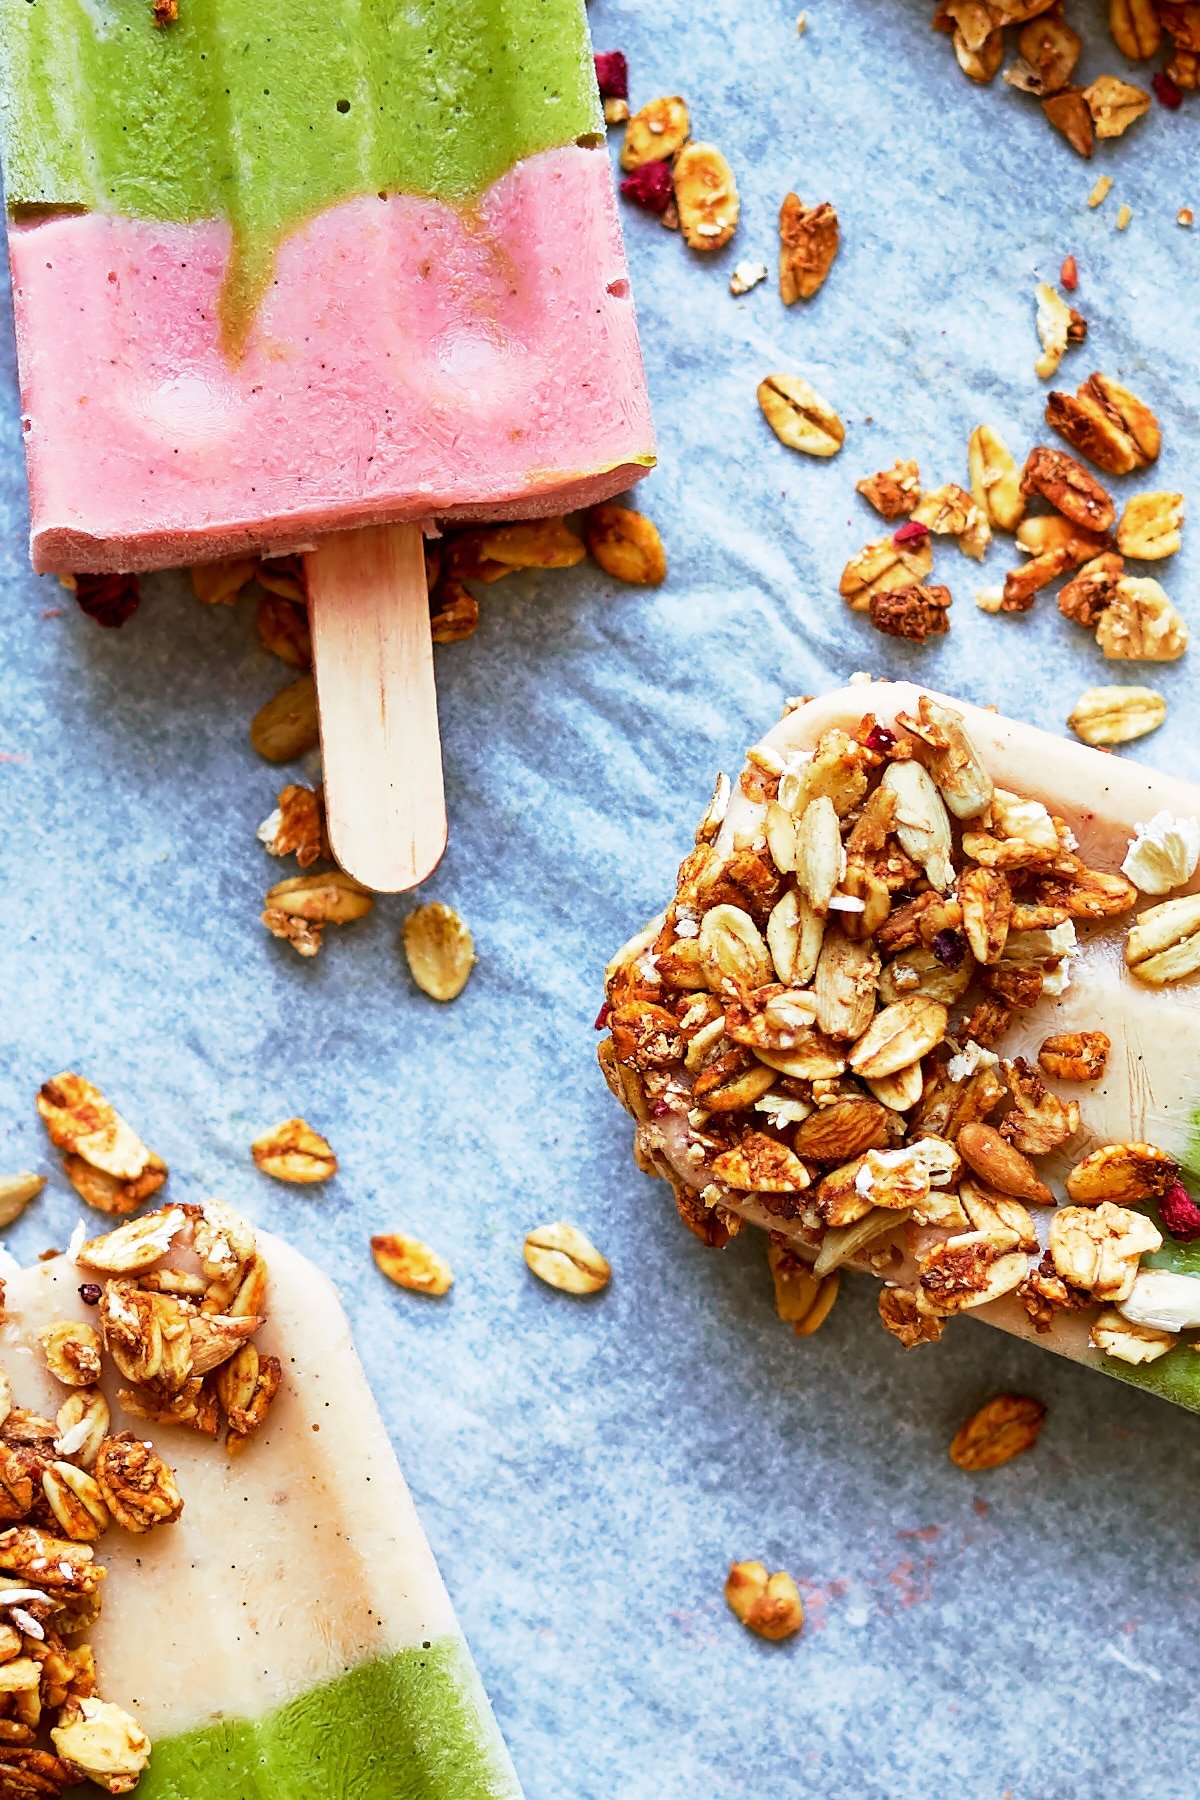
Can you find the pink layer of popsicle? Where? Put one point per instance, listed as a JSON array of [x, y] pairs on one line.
[[410, 361]]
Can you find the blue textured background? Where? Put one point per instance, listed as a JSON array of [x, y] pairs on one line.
[[587, 1471]]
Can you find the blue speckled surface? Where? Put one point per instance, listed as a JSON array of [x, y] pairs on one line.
[[587, 1470]]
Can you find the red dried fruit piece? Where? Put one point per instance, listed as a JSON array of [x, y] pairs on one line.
[[91, 1293], [108, 599], [881, 740], [1169, 95], [612, 73], [1179, 1213], [660, 1109], [650, 186], [910, 533], [602, 1016], [1070, 274]]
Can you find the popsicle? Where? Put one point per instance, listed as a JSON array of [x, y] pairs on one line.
[[288, 1633], [907, 1012], [278, 282]]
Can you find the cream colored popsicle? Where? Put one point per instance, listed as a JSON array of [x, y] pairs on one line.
[[289, 1634], [1149, 1091]]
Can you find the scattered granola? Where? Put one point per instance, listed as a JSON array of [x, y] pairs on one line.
[[918, 612], [411, 1264], [298, 910], [1151, 526], [768, 1605], [745, 276], [297, 826], [105, 1161], [1003, 1428], [562, 1257], [293, 1151], [1163, 853]]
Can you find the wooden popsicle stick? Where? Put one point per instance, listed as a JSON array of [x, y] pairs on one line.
[[373, 661]]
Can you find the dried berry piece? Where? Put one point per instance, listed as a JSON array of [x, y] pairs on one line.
[[1069, 274], [1166, 92], [913, 532], [108, 599], [1179, 1214], [612, 74], [650, 186]]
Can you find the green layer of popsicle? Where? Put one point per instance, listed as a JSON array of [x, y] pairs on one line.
[[405, 1727], [264, 115]]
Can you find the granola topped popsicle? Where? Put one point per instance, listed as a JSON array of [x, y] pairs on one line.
[[289, 1634], [924, 1003]]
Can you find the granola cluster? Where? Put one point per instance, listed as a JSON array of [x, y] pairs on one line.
[[180, 1294], [1048, 50], [812, 1037], [1063, 518], [64, 1483]]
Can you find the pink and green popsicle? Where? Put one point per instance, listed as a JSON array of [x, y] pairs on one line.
[[281, 274]]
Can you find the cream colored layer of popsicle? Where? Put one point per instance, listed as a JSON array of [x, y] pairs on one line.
[[292, 1562], [1151, 1089]]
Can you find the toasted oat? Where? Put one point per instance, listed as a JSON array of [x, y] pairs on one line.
[[706, 197], [283, 631], [809, 241], [453, 612], [949, 511], [439, 950], [1151, 526], [799, 417], [892, 492], [286, 727], [883, 567], [1140, 624], [995, 480], [411, 1264], [1136, 28], [1128, 1342], [1124, 216], [220, 583], [1049, 51], [72, 1352], [97, 1740], [768, 1605], [655, 132], [74, 1498], [1101, 191], [16, 1192], [1105, 716], [1005, 1427], [1163, 945], [293, 1151], [626, 544], [1053, 328], [1099, 1248], [136, 1485], [560, 1255], [1115, 105]]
